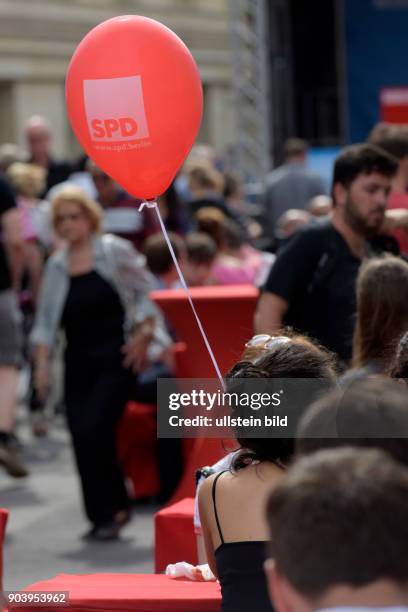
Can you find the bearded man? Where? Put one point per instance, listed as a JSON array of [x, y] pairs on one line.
[[311, 285]]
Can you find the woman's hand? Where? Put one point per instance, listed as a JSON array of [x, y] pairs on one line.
[[167, 358], [135, 349]]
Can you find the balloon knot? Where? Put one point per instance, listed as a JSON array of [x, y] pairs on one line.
[[148, 203]]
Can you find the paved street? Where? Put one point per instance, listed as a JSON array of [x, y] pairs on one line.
[[46, 521]]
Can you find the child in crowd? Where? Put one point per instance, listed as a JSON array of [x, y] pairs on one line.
[[237, 262], [160, 262], [28, 181], [201, 254]]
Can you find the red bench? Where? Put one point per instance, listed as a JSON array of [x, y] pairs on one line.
[[3, 522], [174, 535]]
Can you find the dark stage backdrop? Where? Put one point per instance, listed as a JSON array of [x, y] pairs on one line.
[[376, 46]]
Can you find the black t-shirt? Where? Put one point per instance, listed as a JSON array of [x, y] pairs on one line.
[[7, 202], [316, 274], [58, 172]]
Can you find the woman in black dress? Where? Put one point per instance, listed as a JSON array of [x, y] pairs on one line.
[[96, 290], [232, 502]]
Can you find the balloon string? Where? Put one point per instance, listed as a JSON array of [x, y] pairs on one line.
[[153, 204]]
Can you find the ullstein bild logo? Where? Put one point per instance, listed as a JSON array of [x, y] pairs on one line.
[[115, 109]]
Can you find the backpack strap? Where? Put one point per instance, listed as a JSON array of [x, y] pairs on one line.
[[327, 260]]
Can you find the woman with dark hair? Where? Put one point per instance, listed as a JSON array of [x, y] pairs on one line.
[[235, 539], [382, 315]]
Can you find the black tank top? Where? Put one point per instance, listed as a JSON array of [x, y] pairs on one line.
[[93, 320], [240, 571]]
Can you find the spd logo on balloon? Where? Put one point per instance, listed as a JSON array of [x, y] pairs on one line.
[[115, 109]]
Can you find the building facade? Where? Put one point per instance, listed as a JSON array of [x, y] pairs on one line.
[[38, 38]]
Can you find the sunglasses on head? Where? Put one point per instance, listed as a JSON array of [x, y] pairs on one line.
[[265, 341]]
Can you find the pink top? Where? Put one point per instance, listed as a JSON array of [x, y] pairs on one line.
[[238, 270], [27, 225]]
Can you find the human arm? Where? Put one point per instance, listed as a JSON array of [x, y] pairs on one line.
[[50, 303], [42, 335], [13, 243], [205, 506], [148, 338], [10, 222], [149, 343], [42, 370], [288, 279], [270, 313], [33, 263], [223, 464], [136, 347]]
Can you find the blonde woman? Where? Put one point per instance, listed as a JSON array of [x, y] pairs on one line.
[[95, 289], [28, 181]]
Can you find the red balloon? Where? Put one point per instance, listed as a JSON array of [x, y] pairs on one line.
[[134, 100]]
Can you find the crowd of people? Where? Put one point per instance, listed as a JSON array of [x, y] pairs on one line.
[[335, 521], [77, 256]]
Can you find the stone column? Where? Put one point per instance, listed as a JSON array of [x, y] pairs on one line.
[[39, 97], [219, 116]]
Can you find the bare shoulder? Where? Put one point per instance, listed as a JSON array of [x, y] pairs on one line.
[[206, 488]]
